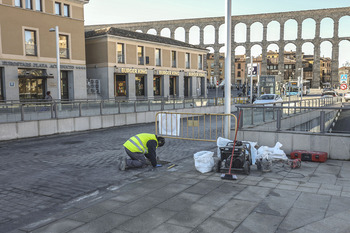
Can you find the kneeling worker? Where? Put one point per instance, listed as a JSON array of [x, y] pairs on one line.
[[140, 147]]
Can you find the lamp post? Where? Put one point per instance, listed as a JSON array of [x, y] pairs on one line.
[[301, 82], [58, 61], [251, 78], [228, 69]]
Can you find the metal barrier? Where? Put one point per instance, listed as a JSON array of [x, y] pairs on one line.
[[193, 126]]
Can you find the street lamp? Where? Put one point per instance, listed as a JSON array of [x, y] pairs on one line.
[[301, 82], [58, 61]]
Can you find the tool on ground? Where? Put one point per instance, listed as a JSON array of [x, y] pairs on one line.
[[159, 165], [172, 165], [294, 163], [312, 156], [229, 175]]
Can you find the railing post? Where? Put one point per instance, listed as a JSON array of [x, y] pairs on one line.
[[279, 117], [101, 108], [322, 122], [56, 110], [119, 107], [162, 104], [135, 106], [263, 114], [22, 112], [216, 101], [174, 104], [79, 109], [252, 117], [241, 120], [51, 110], [184, 103], [193, 102], [201, 102], [149, 105]]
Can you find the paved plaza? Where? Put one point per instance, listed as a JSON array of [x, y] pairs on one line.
[[71, 183]]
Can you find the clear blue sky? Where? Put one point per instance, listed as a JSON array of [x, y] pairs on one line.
[[123, 11]]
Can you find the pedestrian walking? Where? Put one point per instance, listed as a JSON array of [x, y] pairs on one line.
[[48, 96], [140, 148]]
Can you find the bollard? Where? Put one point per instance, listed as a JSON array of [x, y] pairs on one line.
[[279, 118]]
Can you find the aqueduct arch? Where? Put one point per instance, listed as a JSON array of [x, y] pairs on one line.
[[264, 19]]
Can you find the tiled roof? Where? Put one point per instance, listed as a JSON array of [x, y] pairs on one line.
[[139, 36]]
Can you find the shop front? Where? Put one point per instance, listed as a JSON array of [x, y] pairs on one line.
[[120, 85], [172, 86], [32, 84], [140, 85]]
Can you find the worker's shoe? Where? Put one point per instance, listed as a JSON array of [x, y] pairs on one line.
[[122, 164]]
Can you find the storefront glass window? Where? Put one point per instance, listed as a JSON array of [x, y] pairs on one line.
[[64, 85], [172, 86], [140, 85], [31, 84], [156, 85], [120, 85]]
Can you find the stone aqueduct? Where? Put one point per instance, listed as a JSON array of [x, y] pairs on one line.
[[299, 16]]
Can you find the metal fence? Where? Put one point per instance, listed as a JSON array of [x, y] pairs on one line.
[[193, 126], [15, 111], [313, 115]]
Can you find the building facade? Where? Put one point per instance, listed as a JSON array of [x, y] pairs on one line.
[[28, 49], [130, 65]]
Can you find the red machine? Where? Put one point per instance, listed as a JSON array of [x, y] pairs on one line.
[[314, 156]]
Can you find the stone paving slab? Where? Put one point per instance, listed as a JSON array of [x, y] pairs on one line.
[[75, 186]]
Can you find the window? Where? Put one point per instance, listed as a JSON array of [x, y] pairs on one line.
[[140, 85], [38, 5], [140, 55], [120, 85], [57, 8], [29, 4], [200, 62], [66, 10], [239, 74], [212, 65], [18, 3], [158, 57], [30, 43], [187, 61], [120, 52], [173, 59], [64, 48], [239, 66]]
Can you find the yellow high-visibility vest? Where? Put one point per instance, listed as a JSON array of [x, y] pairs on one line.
[[138, 143]]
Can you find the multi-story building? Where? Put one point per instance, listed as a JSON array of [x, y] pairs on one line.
[[28, 54], [211, 69], [132, 65]]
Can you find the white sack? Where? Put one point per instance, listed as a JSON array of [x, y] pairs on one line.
[[254, 151], [204, 161], [271, 153]]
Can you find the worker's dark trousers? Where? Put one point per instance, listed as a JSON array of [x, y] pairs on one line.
[[137, 159]]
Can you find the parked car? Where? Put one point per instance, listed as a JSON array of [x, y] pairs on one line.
[[329, 93], [269, 100], [347, 96]]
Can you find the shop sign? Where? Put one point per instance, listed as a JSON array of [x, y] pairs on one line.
[[40, 65], [196, 74], [133, 71], [167, 72]]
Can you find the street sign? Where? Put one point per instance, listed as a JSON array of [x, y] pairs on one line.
[[343, 86], [344, 78]]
